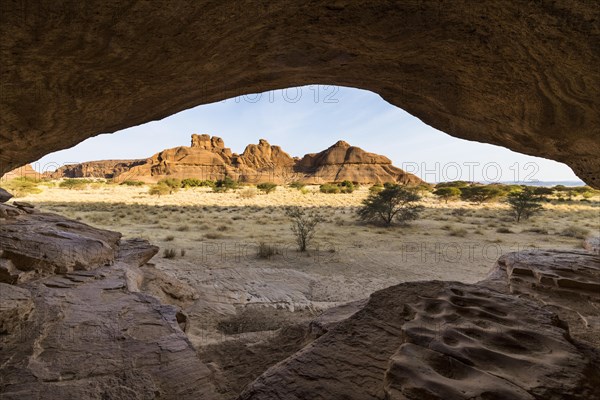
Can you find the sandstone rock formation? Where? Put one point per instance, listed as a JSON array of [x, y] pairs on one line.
[[447, 340], [5, 196], [81, 333], [24, 171], [94, 169], [208, 158], [39, 244], [342, 162], [520, 75]]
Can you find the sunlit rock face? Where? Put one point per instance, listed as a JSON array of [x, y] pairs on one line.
[[520, 75], [208, 159]]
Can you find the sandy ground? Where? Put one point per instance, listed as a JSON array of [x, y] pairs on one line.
[[222, 230]]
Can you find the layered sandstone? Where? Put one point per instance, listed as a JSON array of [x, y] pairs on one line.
[[26, 171], [95, 169], [342, 162], [208, 158]]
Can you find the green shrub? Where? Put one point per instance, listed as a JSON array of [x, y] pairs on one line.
[[172, 183], [329, 188], [447, 193], [75, 183], [346, 187], [225, 184], [297, 185], [266, 187], [22, 186], [159, 189], [456, 184], [480, 193], [132, 183], [378, 187], [194, 182]]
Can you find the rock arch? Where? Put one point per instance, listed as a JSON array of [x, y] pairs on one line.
[[519, 75]]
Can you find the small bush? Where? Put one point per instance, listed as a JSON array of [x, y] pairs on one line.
[[297, 185], [169, 238], [329, 188], [459, 232], [247, 193], [159, 190], [459, 212], [194, 182], [304, 224], [376, 188], [266, 187], [448, 193], [172, 183], [225, 184], [213, 235], [504, 230], [183, 228], [169, 253], [132, 183], [541, 231], [575, 231], [182, 252], [266, 251], [74, 183], [347, 187]]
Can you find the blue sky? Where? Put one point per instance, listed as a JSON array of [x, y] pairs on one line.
[[311, 118]]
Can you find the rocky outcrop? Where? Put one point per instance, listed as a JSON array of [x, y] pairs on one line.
[[342, 162], [447, 340], [520, 75], [34, 245], [24, 171], [78, 331], [16, 306], [208, 158], [94, 169], [5, 196]]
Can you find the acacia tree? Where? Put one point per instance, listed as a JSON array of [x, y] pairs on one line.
[[392, 203], [448, 193], [524, 203], [304, 224], [480, 193]]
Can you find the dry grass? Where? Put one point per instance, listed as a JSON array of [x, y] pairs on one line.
[[458, 241]]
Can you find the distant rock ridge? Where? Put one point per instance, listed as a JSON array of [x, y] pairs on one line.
[[208, 158]]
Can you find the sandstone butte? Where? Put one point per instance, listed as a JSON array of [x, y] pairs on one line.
[[208, 158]]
